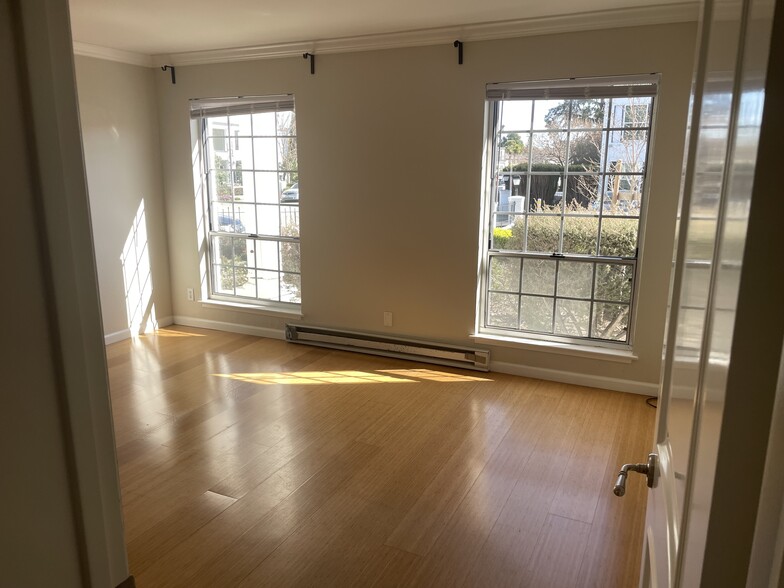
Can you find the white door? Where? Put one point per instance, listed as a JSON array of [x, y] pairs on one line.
[[707, 291]]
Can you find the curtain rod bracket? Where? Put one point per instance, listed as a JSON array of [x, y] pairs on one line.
[[312, 62], [171, 67], [459, 45]]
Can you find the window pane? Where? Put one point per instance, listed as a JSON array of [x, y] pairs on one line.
[[582, 194], [245, 215], [241, 151], [619, 237], [250, 252], [579, 235], [245, 281], [585, 151], [551, 114], [289, 257], [224, 251], [290, 289], [265, 153], [622, 195], [590, 112], [287, 123], [513, 151], [268, 219], [539, 276], [505, 274], [543, 233], [267, 255], [287, 154], [240, 125], [610, 321], [264, 124], [223, 279], [502, 310], [614, 282], [508, 232], [536, 314], [289, 220], [268, 284], [549, 151], [575, 279], [543, 193], [572, 317], [267, 187], [516, 115]]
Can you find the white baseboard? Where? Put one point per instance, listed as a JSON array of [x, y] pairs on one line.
[[124, 334], [607, 383], [188, 321], [117, 336], [632, 386]]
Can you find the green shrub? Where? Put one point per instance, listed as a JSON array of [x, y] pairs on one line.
[[618, 238]]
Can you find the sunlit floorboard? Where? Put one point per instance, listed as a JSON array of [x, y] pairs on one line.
[[253, 462]]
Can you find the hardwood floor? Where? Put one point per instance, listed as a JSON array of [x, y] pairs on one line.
[[253, 462]]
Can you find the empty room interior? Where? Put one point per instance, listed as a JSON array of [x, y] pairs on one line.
[[529, 250]]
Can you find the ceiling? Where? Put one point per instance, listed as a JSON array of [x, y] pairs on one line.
[[154, 27]]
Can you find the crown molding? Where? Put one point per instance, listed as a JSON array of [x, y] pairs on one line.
[[606, 19], [109, 54], [547, 25]]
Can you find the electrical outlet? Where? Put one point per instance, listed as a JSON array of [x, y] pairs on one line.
[[387, 318], [190, 294]]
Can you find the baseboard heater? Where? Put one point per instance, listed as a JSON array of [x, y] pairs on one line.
[[412, 349]]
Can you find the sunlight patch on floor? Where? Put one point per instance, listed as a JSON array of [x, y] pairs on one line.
[[331, 377], [436, 376]]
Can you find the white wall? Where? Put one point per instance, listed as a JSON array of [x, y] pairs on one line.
[[122, 155], [390, 149]]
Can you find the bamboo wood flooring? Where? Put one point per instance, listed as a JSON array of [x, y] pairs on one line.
[[252, 462]]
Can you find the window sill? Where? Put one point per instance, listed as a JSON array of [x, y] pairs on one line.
[[622, 355], [252, 308]]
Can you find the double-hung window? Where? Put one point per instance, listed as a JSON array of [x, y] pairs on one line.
[[251, 189], [565, 191]]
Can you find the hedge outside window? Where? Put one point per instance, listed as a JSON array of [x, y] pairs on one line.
[[565, 190], [252, 193]]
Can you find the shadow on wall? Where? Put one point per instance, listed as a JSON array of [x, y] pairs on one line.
[[137, 277]]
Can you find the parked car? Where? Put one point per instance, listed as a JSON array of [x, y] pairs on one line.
[[290, 194], [229, 224]]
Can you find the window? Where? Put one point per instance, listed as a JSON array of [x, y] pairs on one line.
[[249, 155], [564, 192]]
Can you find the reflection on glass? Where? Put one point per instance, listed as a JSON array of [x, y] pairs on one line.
[[572, 317], [614, 282], [505, 274], [539, 277], [502, 310], [575, 279], [536, 314], [610, 321]]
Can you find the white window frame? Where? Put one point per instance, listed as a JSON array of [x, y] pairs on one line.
[[201, 110], [608, 87]]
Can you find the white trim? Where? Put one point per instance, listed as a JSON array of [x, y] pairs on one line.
[[622, 355], [117, 336], [267, 332], [607, 383], [124, 334], [546, 25], [251, 308], [109, 54]]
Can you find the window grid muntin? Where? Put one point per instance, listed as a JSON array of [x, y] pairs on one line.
[[595, 261], [209, 174]]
